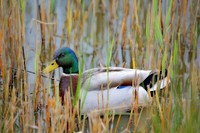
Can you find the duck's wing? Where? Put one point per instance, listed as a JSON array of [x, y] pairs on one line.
[[105, 78]]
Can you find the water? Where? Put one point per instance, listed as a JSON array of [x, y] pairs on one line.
[[102, 30]]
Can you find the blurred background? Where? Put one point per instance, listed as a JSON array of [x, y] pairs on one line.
[[90, 27]]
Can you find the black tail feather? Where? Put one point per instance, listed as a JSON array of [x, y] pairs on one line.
[[152, 79]]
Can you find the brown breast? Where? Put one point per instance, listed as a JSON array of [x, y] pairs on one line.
[[68, 83]]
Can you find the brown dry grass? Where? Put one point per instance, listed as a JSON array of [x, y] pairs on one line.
[[139, 34]]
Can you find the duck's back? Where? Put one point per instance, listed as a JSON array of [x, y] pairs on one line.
[[104, 78]]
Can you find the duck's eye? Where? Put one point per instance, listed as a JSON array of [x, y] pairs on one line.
[[61, 55]]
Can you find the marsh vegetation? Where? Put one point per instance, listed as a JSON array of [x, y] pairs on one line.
[[135, 34]]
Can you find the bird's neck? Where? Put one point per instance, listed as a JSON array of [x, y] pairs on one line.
[[73, 69]]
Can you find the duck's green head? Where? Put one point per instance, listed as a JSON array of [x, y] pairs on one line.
[[65, 58]]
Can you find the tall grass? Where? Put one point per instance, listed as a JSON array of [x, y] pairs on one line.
[[135, 34]]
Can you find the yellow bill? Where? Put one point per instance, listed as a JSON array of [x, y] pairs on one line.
[[51, 67]]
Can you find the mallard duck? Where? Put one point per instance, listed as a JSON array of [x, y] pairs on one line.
[[105, 87]]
